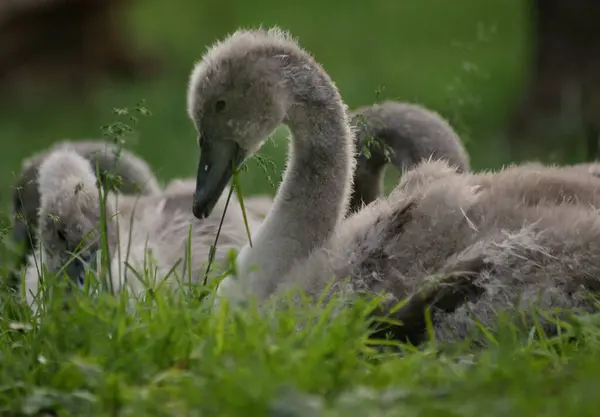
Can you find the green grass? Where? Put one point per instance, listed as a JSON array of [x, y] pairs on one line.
[[171, 355]]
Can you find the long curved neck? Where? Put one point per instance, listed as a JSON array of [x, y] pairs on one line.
[[314, 194], [368, 186]]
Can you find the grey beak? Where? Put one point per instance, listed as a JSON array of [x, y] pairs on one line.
[[218, 160], [20, 231], [78, 266]]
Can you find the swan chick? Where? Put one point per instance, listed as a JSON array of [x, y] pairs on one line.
[[142, 229], [69, 217]]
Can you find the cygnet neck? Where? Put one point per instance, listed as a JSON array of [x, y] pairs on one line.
[[314, 194]]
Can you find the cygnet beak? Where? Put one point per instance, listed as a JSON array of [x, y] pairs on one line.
[[77, 268], [218, 160], [20, 231]]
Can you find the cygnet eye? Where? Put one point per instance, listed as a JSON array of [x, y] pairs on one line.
[[201, 139], [220, 106], [81, 280], [61, 235]]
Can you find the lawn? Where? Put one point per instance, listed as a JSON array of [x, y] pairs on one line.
[[167, 355], [170, 355]]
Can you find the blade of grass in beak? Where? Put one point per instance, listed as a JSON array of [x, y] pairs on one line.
[[213, 248], [238, 191]]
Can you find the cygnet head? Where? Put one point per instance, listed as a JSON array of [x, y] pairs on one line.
[[134, 173], [403, 134], [238, 94], [406, 134], [69, 217]]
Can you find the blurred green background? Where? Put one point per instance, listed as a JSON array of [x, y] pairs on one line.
[[464, 59]]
